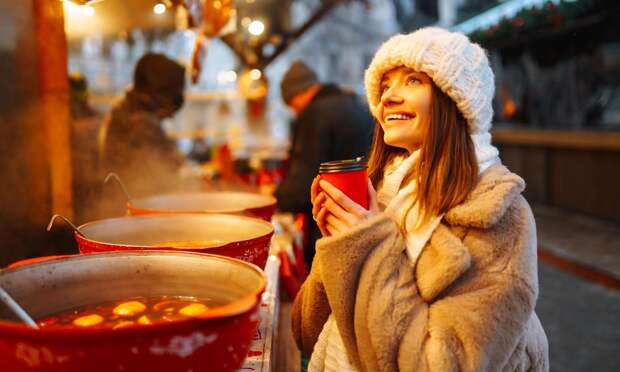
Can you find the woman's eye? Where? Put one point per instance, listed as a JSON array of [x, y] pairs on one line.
[[384, 88], [412, 81]]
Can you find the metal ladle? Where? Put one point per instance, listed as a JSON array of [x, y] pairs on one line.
[[49, 226], [17, 310], [118, 180]]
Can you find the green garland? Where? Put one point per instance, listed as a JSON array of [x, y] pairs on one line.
[[549, 16]]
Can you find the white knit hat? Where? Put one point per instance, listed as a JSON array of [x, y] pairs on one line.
[[457, 66]]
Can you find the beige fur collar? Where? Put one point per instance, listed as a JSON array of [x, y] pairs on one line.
[[486, 204], [447, 258]]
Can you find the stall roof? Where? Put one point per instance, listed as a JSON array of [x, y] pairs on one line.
[[507, 9]]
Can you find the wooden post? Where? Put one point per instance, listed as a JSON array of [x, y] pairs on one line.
[[55, 118]]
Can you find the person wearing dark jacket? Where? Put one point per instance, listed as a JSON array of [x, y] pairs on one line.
[[330, 125], [132, 142]]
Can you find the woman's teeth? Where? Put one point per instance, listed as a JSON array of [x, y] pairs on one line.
[[398, 117]]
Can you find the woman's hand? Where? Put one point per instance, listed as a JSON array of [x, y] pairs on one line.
[[335, 212], [317, 197]]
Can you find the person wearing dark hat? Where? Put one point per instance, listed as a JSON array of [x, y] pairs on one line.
[[132, 142], [330, 125]]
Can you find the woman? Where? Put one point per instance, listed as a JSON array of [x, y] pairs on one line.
[[440, 272]]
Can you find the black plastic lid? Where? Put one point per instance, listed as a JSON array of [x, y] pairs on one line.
[[348, 165]]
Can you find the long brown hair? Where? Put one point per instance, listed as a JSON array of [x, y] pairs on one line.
[[448, 169]]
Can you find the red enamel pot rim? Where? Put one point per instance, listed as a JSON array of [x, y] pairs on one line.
[[32, 260], [220, 313], [169, 203], [266, 233]]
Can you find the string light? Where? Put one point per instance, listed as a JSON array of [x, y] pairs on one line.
[[226, 77], [255, 74], [256, 27], [88, 11], [71, 7], [232, 76], [159, 8]]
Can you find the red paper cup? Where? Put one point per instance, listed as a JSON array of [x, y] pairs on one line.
[[349, 176]]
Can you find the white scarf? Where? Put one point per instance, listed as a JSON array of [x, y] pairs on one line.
[[398, 199]]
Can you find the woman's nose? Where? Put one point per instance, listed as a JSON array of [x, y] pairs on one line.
[[391, 96]]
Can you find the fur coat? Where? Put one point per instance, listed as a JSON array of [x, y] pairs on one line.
[[468, 304]]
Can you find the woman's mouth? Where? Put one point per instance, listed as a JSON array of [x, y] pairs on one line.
[[398, 116]]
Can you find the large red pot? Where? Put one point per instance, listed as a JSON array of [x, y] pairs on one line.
[[239, 237], [218, 341], [249, 204]]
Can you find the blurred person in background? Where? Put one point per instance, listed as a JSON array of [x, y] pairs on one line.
[[132, 142], [330, 125], [79, 95], [440, 272], [85, 123]]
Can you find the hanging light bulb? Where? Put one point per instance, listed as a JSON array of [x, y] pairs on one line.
[[256, 27], [88, 11], [159, 8], [252, 84], [255, 74]]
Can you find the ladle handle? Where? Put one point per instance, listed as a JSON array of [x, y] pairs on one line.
[[49, 226], [14, 306], [118, 179]]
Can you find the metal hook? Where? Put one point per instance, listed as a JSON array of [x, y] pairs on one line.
[[49, 226], [118, 179]]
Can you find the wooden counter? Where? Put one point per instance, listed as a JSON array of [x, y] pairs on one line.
[[576, 170], [584, 140]]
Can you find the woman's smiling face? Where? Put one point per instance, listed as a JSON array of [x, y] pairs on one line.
[[405, 107]]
